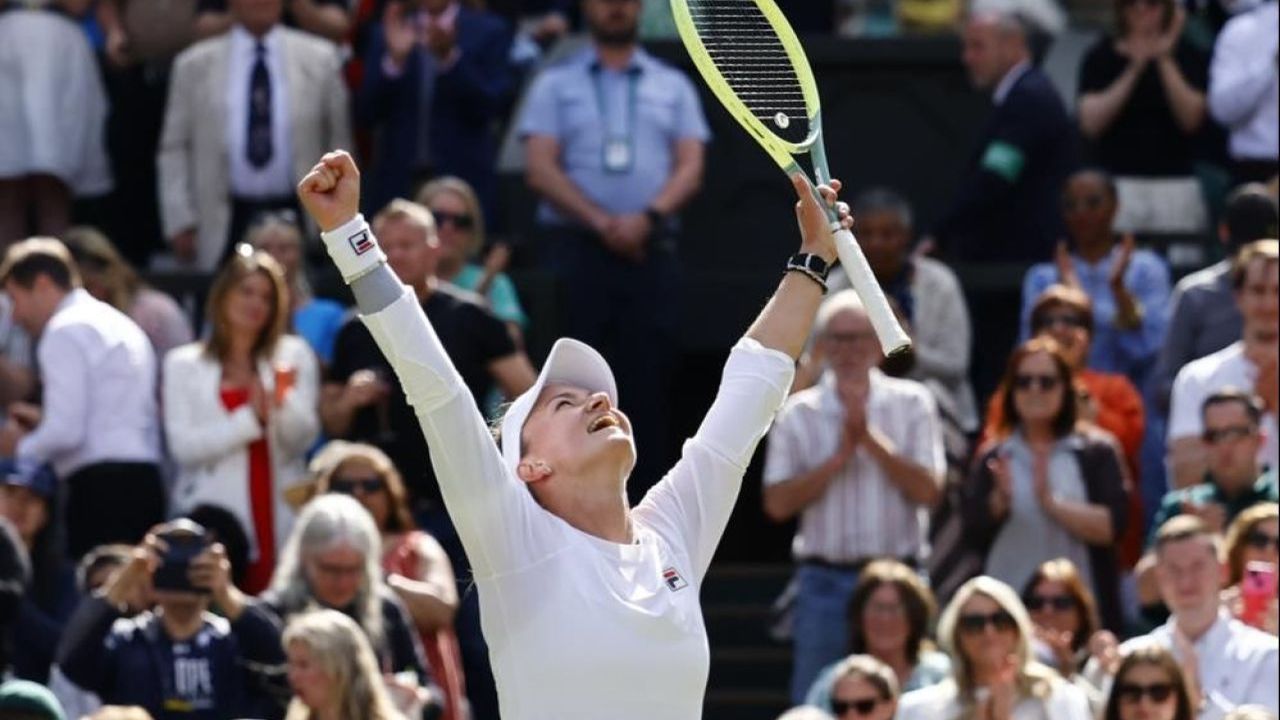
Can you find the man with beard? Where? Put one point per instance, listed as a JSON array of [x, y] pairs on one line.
[[614, 142]]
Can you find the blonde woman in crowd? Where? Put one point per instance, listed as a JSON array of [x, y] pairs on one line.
[[994, 676], [332, 670]]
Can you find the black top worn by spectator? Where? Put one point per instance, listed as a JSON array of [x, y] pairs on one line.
[[472, 336], [1007, 208], [220, 6], [132, 661], [1144, 140], [261, 625]]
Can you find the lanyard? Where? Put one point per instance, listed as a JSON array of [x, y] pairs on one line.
[[617, 152]]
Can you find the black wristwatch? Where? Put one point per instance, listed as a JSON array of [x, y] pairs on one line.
[[809, 263]]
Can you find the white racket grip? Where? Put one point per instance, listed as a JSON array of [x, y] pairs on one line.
[[893, 338]]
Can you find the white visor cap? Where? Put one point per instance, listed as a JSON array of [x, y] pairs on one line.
[[570, 362]]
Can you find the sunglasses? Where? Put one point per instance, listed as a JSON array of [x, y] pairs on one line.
[[349, 486], [1026, 381], [462, 221], [1131, 693], [1213, 436], [1071, 320], [975, 623], [1054, 602], [1259, 540], [862, 706]]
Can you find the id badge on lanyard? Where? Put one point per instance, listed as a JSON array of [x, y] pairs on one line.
[[618, 151]]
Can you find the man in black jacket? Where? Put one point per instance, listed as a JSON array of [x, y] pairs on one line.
[[176, 660], [1007, 206]]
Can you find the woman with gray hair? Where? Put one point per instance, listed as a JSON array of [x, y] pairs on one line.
[[994, 676], [332, 670], [330, 561]]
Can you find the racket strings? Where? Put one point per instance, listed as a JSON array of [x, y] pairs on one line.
[[754, 63]]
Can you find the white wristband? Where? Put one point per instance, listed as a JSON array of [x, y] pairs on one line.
[[353, 248]]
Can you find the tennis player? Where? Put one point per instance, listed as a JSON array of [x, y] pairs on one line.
[[590, 607]]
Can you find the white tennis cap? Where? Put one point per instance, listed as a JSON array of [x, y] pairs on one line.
[[570, 362]]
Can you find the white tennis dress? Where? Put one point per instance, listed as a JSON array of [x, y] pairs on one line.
[[580, 628]]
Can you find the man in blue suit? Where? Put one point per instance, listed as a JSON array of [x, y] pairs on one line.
[[436, 81]]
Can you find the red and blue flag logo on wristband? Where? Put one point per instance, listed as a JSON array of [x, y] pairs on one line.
[[360, 242]]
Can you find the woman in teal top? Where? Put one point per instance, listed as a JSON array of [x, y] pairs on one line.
[[890, 615], [460, 227]]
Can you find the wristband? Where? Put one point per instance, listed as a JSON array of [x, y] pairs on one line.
[[353, 248]]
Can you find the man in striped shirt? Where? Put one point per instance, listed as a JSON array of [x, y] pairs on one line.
[[859, 457]]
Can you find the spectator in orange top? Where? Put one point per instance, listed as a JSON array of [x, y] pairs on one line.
[[1107, 400]]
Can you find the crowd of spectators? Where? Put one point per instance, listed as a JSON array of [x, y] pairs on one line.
[[233, 513]]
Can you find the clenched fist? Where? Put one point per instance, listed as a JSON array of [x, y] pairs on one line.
[[331, 191]]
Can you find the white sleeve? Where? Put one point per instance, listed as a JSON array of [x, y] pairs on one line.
[[1184, 405], [690, 507], [500, 525], [64, 370], [1241, 71]]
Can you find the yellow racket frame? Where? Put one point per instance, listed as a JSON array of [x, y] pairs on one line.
[[893, 339]]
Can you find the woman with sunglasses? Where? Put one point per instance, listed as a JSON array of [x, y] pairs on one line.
[[994, 675], [316, 320], [460, 227], [890, 614], [864, 689], [590, 606], [416, 566], [240, 408], [1142, 100], [1150, 685], [1047, 487], [1106, 399], [1253, 537], [1129, 287], [1064, 614]]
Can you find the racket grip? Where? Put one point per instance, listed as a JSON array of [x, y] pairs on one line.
[[893, 339]]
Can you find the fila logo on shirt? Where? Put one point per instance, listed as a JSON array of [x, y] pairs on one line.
[[673, 580], [360, 242]]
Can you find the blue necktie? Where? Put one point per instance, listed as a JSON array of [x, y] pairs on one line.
[[258, 140]]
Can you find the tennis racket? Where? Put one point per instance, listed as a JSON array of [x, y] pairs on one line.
[[752, 60]]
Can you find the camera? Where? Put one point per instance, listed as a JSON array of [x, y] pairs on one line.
[[185, 540]]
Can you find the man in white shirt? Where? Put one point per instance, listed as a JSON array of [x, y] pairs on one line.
[[1244, 92], [247, 111], [1227, 663], [98, 427], [859, 457], [1249, 364]]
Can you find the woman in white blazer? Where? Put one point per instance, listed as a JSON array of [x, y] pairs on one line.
[[988, 633], [240, 408]]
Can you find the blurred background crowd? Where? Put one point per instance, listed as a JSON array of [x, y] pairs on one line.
[[1061, 504]]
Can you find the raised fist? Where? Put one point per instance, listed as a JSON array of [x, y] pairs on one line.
[[331, 191]]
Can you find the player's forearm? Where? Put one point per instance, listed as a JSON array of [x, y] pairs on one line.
[[785, 322]]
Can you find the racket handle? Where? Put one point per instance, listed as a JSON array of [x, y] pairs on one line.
[[893, 339]]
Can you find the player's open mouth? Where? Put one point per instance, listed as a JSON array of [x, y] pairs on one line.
[[604, 421]]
